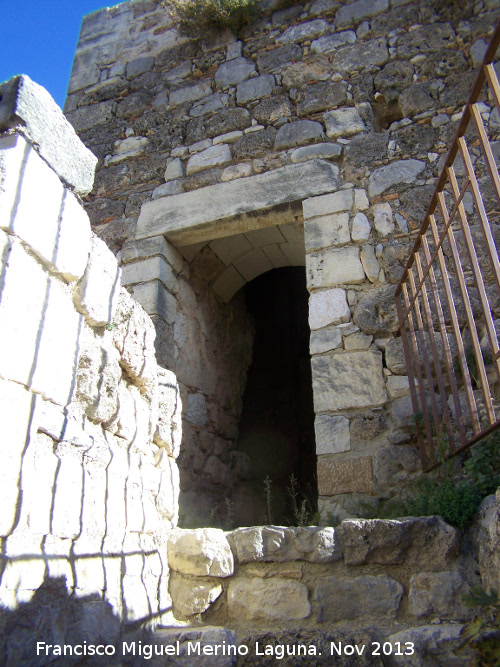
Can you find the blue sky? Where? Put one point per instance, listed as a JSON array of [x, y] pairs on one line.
[[39, 37]]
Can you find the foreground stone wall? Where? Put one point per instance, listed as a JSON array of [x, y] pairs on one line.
[[90, 425], [322, 129]]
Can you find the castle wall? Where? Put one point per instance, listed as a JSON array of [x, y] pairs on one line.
[[206, 142], [90, 423]]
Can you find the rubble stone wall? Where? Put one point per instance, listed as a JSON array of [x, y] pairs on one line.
[[90, 426], [314, 138]]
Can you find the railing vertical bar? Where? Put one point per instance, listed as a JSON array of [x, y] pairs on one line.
[[456, 330], [492, 78], [486, 149]]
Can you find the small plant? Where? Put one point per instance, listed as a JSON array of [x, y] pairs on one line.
[[194, 18], [303, 514], [483, 632], [269, 500], [483, 466]]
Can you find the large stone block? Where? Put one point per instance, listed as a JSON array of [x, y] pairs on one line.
[[331, 267], [355, 57], [200, 552], [376, 313], [395, 173], [280, 544], [298, 133], [348, 380], [374, 598], [30, 110], [357, 11], [233, 72], [343, 122], [193, 596], [156, 300], [427, 542], [327, 204], [328, 307], [330, 43], [332, 434], [274, 599], [437, 593], [35, 206], [214, 156], [303, 31], [344, 476], [40, 341], [327, 231], [236, 206], [255, 88]]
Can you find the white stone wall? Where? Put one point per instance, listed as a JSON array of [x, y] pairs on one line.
[[90, 424]]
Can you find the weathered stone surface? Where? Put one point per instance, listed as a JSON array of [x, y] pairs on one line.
[[328, 307], [437, 593], [356, 57], [275, 599], [361, 228], [233, 71], [326, 231], [375, 312], [215, 156], [332, 434], [370, 263], [208, 104], [415, 99], [324, 340], [227, 120], [436, 643], [343, 123], [297, 134], [133, 105], [27, 107], [489, 538], [301, 73], [344, 476], [400, 171], [424, 39], [193, 596], [303, 31], [426, 542], [209, 207], [394, 465], [61, 223], [255, 88], [269, 61], [382, 218], [272, 109], [327, 268], [393, 78], [350, 380], [352, 599], [317, 151], [394, 357], [329, 43], [320, 96], [357, 11], [200, 552], [208, 636], [326, 204], [252, 145], [190, 93], [280, 544], [97, 292], [168, 432]]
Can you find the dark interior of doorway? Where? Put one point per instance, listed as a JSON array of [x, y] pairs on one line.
[[276, 429]]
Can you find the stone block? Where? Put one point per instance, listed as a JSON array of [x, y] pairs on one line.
[[206, 209], [332, 434], [152, 268], [215, 156], [156, 300], [167, 497], [326, 204], [97, 292], [355, 57], [397, 385], [368, 597], [343, 122], [400, 171], [382, 218], [255, 88], [190, 93], [236, 171], [297, 133], [169, 426], [357, 11], [266, 236], [228, 283], [139, 66], [59, 231], [394, 356], [173, 170], [370, 263], [45, 329], [200, 552], [349, 380], [357, 341], [280, 544], [269, 61], [233, 71], [156, 245], [361, 228], [393, 466], [324, 340], [327, 231], [304, 31], [276, 256], [330, 267], [85, 118], [344, 476], [321, 96], [426, 542], [252, 264], [193, 596], [274, 599], [321, 151], [438, 593], [432, 644], [330, 43], [29, 108], [375, 312], [328, 307], [209, 104], [67, 495]]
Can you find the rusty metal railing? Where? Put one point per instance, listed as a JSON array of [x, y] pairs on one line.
[[449, 295]]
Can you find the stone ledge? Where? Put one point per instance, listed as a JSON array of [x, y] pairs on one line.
[[236, 206], [29, 109]]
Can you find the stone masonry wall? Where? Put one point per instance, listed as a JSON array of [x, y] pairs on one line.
[[90, 425], [322, 128]]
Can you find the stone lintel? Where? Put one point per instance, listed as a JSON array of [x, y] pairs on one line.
[[29, 109], [236, 206]]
